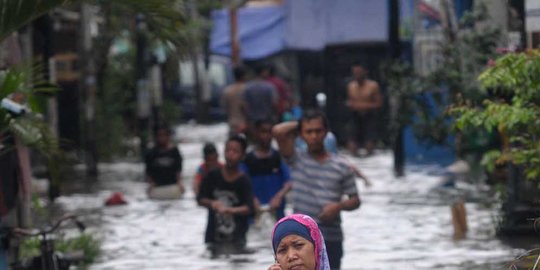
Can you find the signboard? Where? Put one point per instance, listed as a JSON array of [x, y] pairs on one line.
[[65, 67], [532, 15]]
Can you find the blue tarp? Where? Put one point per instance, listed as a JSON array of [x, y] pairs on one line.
[[305, 24], [261, 32], [418, 152], [314, 24], [421, 152], [356, 21], [301, 24]]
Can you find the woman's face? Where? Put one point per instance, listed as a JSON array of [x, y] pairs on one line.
[[295, 253]]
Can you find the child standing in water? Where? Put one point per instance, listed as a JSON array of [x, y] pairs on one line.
[[211, 162], [164, 167], [228, 196], [268, 172]]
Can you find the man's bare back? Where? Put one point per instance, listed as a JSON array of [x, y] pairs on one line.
[[232, 101]]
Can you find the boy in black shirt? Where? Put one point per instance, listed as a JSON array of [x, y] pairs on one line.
[[164, 163], [268, 172], [227, 194]]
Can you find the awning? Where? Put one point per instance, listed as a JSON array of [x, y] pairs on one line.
[[314, 24], [301, 25], [261, 32]]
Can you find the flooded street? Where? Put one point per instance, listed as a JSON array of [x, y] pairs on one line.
[[402, 223], [85, 85]]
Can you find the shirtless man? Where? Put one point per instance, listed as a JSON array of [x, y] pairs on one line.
[[364, 99], [233, 102]]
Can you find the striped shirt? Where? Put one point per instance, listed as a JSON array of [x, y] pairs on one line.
[[316, 184]]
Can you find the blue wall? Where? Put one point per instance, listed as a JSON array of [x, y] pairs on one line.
[[423, 152], [417, 152]]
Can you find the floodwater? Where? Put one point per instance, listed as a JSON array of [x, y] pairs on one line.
[[402, 224]]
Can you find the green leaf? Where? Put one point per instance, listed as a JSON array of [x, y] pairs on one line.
[[14, 14]]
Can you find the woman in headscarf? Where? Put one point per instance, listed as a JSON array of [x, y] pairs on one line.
[[298, 244]]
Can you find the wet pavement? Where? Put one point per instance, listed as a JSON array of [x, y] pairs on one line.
[[402, 224]]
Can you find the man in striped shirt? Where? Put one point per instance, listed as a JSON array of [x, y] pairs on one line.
[[323, 183]]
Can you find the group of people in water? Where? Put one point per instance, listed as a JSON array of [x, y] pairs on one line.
[[258, 178], [322, 184]]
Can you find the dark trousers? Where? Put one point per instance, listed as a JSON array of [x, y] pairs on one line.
[[335, 252]]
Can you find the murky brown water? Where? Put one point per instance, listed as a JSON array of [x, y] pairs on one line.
[[402, 223]]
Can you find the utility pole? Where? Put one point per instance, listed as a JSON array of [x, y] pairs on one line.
[[45, 28], [155, 86], [235, 45], [200, 85], [449, 21], [233, 21], [143, 93], [395, 51], [23, 153], [88, 91]]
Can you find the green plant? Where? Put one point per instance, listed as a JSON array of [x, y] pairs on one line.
[[464, 50], [529, 260], [26, 82], [165, 23], [165, 20], [163, 16], [29, 247], [87, 243], [17, 13], [512, 110], [405, 88], [421, 99], [115, 106]]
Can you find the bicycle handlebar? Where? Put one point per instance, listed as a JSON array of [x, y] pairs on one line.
[[34, 232]]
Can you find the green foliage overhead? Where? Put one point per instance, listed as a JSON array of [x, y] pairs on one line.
[[14, 14], [205, 7], [164, 17], [512, 109], [166, 20]]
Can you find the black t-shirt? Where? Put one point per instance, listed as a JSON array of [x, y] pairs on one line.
[[263, 166], [162, 165], [225, 228]]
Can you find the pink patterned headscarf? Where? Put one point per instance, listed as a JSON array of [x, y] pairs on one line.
[[321, 257]]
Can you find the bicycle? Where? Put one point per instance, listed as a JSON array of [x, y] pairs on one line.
[[49, 259]]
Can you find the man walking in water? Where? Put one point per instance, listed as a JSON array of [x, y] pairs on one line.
[[364, 99], [233, 102], [261, 98], [323, 183]]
